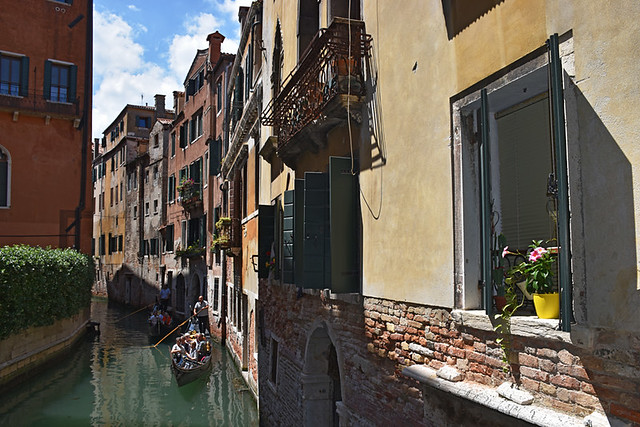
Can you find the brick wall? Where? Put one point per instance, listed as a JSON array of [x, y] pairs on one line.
[[558, 374], [372, 390]]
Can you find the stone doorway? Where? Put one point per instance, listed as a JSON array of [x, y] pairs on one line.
[[321, 381]]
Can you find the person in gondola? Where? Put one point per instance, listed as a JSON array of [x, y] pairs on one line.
[[165, 296], [177, 352], [201, 311]]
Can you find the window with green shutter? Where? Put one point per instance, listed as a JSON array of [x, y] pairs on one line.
[[60, 81], [14, 75], [266, 259]]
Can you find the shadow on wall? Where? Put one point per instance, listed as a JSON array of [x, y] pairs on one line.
[[128, 288], [611, 296], [459, 14]]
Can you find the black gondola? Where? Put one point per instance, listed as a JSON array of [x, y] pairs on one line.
[[186, 375]]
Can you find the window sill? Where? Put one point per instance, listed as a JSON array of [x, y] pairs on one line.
[[524, 326]]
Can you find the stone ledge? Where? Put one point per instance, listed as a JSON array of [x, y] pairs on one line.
[[524, 326], [488, 396]]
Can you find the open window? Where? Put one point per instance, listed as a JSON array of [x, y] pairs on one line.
[[511, 176]]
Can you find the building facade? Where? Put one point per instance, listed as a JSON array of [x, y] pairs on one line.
[[45, 122], [402, 162], [125, 188]]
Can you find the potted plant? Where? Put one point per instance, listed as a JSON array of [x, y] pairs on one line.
[[537, 271]]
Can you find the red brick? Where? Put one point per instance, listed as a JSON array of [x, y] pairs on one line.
[[563, 394], [565, 381], [567, 358], [548, 366], [438, 355], [587, 388], [492, 361], [475, 357], [573, 371], [410, 316], [422, 341], [396, 337], [457, 352], [480, 369], [410, 330], [459, 342], [530, 384], [436, 364], [626, 413], [583, 399], [563, 406], [480, 346], [549, 389], [527, 360], [534, 374], [547, 353]]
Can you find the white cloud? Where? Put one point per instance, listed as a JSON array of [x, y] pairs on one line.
[[230, 6], [184, 46], [134, 8], [120, 73]]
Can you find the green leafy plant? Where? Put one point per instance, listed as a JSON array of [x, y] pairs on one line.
[[188, 189], [39, 286], [193, 250], [537, 271]]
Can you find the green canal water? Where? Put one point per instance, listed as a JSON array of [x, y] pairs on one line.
[[119, 379]]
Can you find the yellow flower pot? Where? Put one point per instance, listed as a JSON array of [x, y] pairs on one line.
[[547, 305]]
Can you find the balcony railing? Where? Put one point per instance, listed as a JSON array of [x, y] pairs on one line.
[[35, 103], [332, 65]]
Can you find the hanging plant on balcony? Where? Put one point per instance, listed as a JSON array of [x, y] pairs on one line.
[[223, 233], [192, 251], [188, 189]]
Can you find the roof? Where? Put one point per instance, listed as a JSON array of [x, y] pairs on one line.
[[123, 112]]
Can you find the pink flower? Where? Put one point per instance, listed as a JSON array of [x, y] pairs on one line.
[[537, 253], [505, 251]]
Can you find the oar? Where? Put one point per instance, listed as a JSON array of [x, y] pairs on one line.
[[172, 331], [137, 311]]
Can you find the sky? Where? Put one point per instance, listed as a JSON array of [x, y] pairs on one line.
[[145, 47]]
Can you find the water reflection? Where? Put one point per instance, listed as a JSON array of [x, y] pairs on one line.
[[120, 379]]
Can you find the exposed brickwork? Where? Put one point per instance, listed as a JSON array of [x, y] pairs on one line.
[[559, 375]]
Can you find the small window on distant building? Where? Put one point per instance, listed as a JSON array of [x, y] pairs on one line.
[[146, 209], [156, 140], [155, 173], [155, 207], [143, 122], [135, 212], [5, 175]]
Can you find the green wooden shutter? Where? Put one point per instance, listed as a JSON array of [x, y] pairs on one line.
[[298, 232], [73, 83], [560, 142], [485, 203], [266, 215], [343, 205], [288, 235], [47, 80], [317, 263], [24, 76]]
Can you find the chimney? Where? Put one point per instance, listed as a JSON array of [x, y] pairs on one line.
[[242, 15], [215, 41], [160, 110]]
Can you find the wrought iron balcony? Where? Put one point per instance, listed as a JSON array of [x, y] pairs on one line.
[[34, 103], [327, 82]]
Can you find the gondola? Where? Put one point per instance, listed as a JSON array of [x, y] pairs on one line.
[[187, 375]]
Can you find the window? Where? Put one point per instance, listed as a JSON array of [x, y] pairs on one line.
[[146, 176], [135, 212], [273, 371], [120, 243], [143, 122], [102, 245], [116, 198], [249, 72], [111, 196], [195, 126], [146, 209], [184, 134], [155, 207], [184, 234], [155, 173], [219, 96], [206, 169], [168, 239], [520, 162], [171, 187], [60, 81], [156, 140], [153, 247], [216, 293], [173, 144], [14, 75]]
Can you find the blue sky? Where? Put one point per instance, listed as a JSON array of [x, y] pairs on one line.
[[142, 48]]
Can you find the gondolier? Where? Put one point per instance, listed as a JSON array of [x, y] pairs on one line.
[[201, 311]]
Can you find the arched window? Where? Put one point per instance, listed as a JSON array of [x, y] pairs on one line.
[[5, 177]]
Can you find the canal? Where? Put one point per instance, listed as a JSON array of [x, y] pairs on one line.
[[118, 378]]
